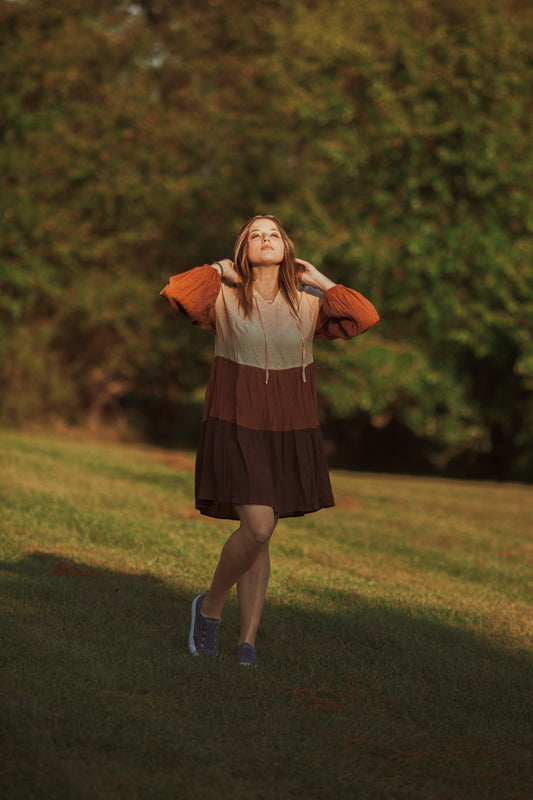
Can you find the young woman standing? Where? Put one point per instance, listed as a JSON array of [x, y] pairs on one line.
[[261, 455]]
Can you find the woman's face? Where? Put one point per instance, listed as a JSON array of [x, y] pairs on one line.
[[265, 244]]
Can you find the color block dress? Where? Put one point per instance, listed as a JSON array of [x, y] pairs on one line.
[[260, 440]]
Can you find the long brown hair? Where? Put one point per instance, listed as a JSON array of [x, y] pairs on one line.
[[289, 270]]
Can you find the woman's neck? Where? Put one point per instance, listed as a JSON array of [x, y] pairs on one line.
[[266, 280]]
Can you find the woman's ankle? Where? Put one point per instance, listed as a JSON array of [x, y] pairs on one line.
[[207, 611], [247, 640]]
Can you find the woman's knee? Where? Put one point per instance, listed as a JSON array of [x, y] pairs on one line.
[[262, 532], [259, 522]]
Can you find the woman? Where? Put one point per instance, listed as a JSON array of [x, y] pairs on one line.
[[261, 454]]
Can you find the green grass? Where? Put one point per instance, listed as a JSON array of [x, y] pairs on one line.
[[395, 647]]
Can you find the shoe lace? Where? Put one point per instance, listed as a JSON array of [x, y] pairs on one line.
[[209, 633]]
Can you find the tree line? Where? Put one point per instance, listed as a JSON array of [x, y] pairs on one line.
[[392, 139]]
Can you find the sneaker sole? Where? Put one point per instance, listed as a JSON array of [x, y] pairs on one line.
[[192, 647]]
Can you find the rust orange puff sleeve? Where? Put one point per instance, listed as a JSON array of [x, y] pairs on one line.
[[344, 313], [194, 293]]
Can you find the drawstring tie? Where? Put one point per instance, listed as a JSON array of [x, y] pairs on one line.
[[265, 334], [302, 340]]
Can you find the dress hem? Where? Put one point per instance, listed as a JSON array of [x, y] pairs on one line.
[[282, 515]]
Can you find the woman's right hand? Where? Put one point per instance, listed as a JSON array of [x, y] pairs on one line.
[[230, 275]]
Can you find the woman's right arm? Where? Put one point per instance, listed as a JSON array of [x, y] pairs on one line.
[[194, 293]]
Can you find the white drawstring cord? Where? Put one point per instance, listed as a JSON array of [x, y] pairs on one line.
[[265, 334], [302, 340]]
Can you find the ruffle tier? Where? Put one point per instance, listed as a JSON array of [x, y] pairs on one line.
[[286, 470]]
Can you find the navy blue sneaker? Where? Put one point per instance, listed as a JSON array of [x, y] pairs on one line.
[[203, 635], [245, 654]]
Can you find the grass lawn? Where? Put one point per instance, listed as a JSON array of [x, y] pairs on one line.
[[395, 649]]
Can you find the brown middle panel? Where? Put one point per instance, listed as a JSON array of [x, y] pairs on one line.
[[238, 393]]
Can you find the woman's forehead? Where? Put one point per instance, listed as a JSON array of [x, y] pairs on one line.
[[263, 225]]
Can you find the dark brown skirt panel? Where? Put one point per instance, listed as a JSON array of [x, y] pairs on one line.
[[286, 470], [238, 393]]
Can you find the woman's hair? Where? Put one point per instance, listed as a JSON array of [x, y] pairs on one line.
[[289, 270]]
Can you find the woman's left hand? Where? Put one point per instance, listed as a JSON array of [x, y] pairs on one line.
[[312, 277]]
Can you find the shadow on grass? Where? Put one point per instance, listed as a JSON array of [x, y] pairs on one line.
[[101, 699]]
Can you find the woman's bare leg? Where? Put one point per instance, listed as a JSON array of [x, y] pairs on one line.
[[251, 593], [239, 554]]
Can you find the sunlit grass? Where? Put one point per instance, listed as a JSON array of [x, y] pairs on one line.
[[395, 648]]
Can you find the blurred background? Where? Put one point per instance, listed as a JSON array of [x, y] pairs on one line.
[[393, 139]]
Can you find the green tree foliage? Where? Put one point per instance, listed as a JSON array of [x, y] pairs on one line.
[[393, 139], [423, 194]]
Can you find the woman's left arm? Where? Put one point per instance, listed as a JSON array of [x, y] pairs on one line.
[[344, 313]]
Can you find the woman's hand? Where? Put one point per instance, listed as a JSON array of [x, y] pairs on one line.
[[312, 277], [229, 270]]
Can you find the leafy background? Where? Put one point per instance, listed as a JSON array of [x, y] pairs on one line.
[[392, 139]]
